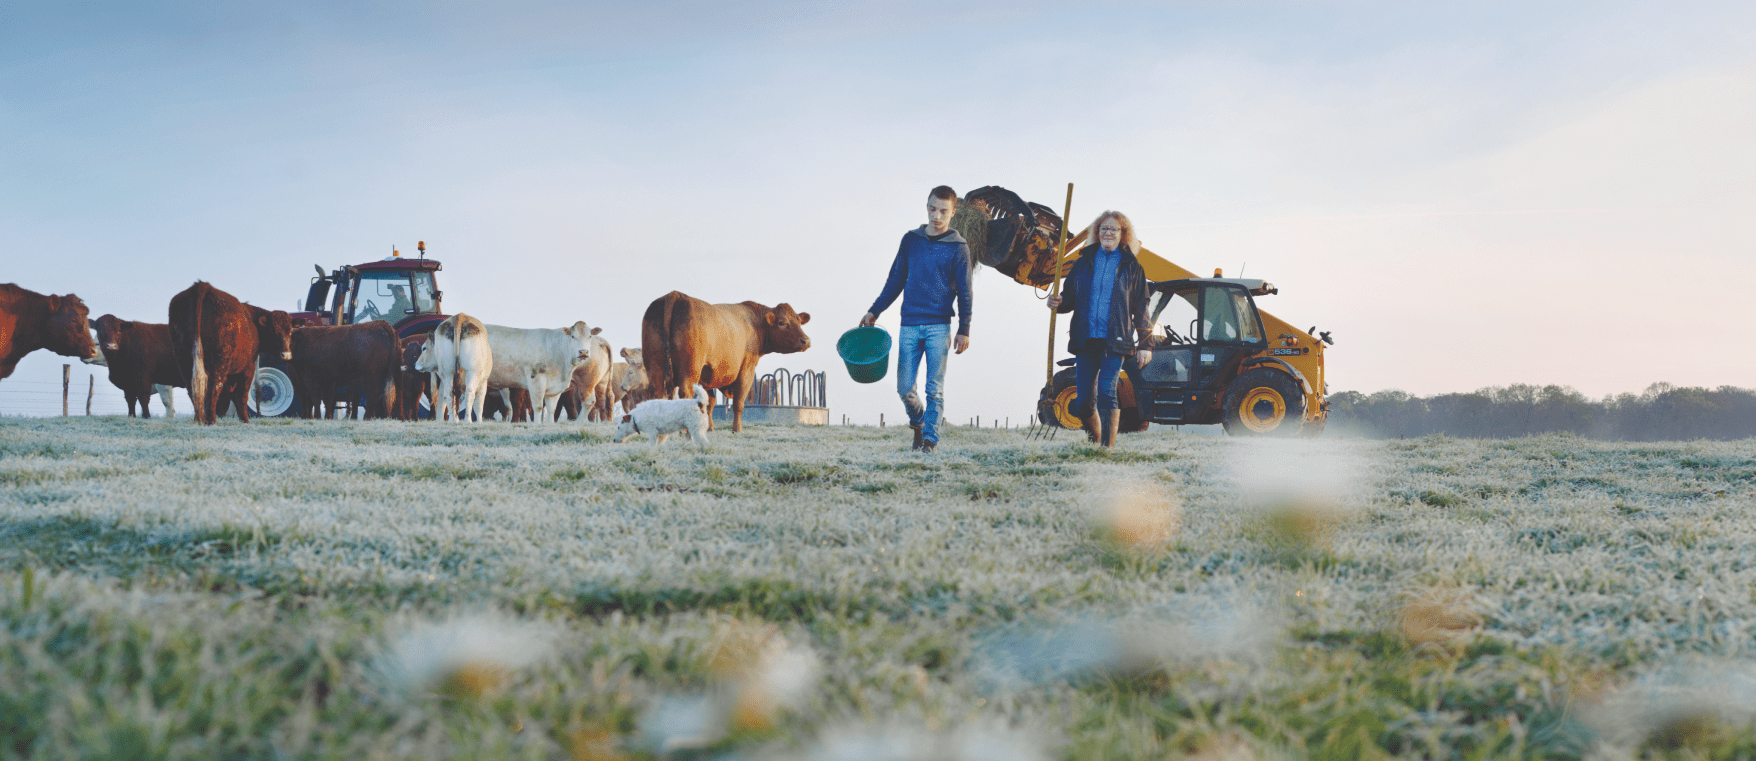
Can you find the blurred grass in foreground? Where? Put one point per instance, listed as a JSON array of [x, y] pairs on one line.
[[386, 590]]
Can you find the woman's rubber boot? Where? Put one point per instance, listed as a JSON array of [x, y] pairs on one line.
[[1092, 428], [1112, 421]]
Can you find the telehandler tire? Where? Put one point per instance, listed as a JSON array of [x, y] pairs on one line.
[[1055, 403], [1264, 402]]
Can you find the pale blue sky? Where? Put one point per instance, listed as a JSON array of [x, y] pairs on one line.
[[1466, 194]]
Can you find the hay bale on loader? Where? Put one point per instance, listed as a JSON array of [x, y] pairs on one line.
[[1009, 234]]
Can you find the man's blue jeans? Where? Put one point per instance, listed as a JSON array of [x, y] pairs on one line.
[[914, 342]]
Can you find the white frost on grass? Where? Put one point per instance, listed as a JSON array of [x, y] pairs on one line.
[[1190, 630], [466, 655], [1678, 705], [898, 574], [898, 741]]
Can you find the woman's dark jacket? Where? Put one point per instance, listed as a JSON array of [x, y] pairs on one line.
[[1127, 301]]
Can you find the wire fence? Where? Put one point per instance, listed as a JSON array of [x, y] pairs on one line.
[[30, 398]]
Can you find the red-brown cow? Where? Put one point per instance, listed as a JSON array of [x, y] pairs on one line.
[[365, 358], [413, 386], [495, 404], [139, 355], [686, 341], [30, 321], [219, 339]]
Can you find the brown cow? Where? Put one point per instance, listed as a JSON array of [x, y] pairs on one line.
[[686, 341], [139, 356], [365, 358], [495, 404], [220, 339], [413, 386], [30, 321]]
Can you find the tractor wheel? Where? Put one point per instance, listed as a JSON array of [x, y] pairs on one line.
[[1055, 404], [274, 393], [1264, 402]]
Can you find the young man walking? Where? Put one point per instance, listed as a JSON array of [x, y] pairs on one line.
[[931, 270]]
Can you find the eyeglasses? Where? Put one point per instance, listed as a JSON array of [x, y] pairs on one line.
[[1109, 229]]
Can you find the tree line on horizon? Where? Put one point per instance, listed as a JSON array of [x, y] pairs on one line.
[[1660, 413]]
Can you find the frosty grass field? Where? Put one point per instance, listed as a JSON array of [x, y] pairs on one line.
[[352, 590]]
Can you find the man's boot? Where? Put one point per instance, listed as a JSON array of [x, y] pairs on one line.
[[1091, 426], [918, 439], [1112, 421]]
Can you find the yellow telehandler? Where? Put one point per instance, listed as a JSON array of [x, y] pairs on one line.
[[1216, 358]]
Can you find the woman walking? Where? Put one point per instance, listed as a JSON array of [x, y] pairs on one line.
[[1106, 292]]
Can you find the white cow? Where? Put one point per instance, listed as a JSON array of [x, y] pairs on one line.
[[459, 352], [540, 360]]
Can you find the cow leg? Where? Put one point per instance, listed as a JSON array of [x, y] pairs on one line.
[[165, 398], [736, 393], [475, 394], [447, 404], [128, 396], [236, 388], [541, 405], [145, 398]]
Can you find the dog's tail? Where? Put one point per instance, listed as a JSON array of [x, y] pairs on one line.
[[700, 398]]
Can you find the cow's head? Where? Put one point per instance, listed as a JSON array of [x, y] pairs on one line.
[[633, 356], [274, 331], [69, 333], [425, 363], [109, 329], [786, 331], [579, 332], [634, 377]]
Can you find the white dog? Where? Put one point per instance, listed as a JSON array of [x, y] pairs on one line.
[[660, 418]]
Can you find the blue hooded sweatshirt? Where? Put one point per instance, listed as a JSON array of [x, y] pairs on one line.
[[929, 275]]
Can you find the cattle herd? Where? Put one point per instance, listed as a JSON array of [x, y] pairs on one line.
[[213, 344]]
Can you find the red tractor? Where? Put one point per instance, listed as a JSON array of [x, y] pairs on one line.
[[400, 291]]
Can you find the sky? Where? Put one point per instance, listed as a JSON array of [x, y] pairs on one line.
[[1465, 194]]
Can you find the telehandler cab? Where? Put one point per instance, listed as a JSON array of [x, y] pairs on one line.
[[1216, 358]]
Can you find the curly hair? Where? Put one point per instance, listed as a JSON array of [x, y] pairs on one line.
[[1129, 239]]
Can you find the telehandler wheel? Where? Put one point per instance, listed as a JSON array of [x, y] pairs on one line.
[[1264, 402], [1055, 404]]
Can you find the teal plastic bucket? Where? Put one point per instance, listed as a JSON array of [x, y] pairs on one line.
[[866, 352]]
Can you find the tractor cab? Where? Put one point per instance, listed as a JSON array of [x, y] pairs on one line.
[[1202, 328], [402, 292]]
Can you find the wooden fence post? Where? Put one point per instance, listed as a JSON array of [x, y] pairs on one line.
[[91, 387], [66, 376]]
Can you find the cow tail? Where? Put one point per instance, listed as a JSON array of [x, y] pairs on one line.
[[392, 372], [198, 391]]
